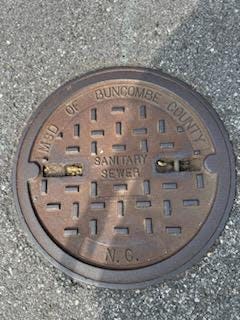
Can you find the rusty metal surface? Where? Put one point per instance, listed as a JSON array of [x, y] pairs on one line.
[[120, 205], [125, 174]]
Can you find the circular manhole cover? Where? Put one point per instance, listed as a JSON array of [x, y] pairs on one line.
[[124, 176]]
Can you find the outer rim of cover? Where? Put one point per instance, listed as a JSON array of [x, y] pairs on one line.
[[197, 247]]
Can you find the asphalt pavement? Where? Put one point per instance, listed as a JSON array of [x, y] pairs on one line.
[[43, 44]]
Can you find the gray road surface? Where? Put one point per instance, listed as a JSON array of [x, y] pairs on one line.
[[43, 44]]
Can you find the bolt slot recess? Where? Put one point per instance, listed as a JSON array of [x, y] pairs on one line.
[[167, 166], [58, 170]]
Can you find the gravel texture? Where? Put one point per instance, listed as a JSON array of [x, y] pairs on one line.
[[45, 43]]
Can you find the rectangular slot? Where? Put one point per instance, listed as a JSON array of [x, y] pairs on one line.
[[53, 206], [167, 207], [191, 202], [144, 146], [99, 133], [72, 188], [75, 210], [118, 128], [143, 112], [118, 109], [120, 187], [76, 130], [120, 208], [143, 204], [121, 230], [44, 186], [71, 232], [73, 149], [146, 187], [200, 181], [169, 185], [148, 225], [94, 147], [93, 115], [167, 145], [140, 131], [97, 205], [93, 227], [119, 147], [161, 126], [94, 189], [174, 230]]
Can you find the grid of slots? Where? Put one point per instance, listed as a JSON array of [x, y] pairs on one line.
[[142, 205], [119, 131]]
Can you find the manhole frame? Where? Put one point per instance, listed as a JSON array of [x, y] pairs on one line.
[[170, 267]]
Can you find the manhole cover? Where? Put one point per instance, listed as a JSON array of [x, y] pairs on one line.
[[124, 176]]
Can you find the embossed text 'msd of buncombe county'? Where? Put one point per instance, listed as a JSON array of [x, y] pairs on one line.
[[174, 108], [124, 177], [128, 91]]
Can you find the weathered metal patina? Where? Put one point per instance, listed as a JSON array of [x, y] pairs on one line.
[[124, 177]]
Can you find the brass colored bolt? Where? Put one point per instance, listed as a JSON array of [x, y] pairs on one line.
[[59, 170], [161, 163], [74, 170]]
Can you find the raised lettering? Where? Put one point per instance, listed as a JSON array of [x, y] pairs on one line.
[[124, 91], [99, 94], [47, 139], [110, 255], [104, 173], [71, 109], [186, 121], [97, 161], [129, 255], [44, 147]]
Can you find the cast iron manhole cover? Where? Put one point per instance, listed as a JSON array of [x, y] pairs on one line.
[[124, 177]]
